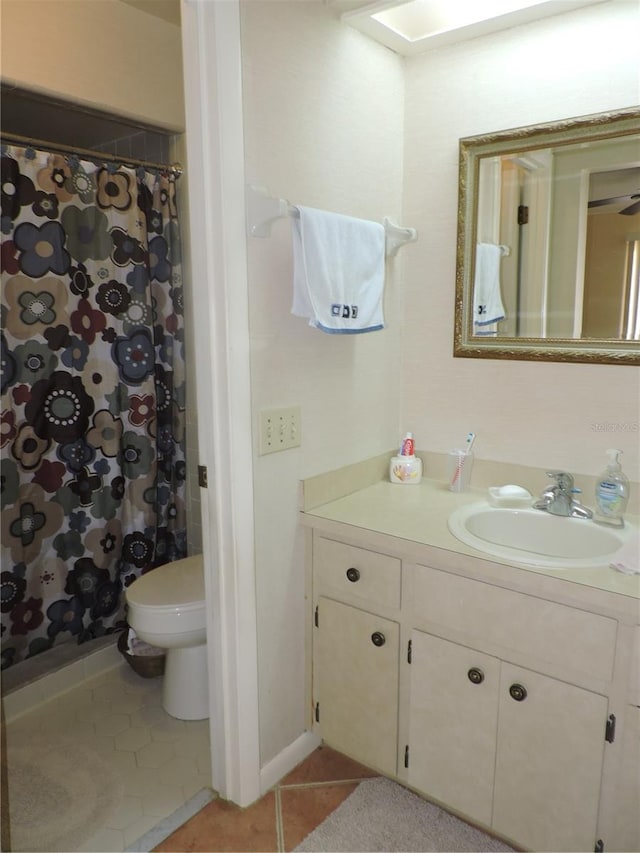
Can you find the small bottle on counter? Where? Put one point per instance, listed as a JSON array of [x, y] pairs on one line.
[[406, 467], [612, 492]]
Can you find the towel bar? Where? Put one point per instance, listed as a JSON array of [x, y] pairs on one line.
[[263, 210]]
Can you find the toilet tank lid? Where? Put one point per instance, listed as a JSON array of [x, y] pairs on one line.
[[180, 582]]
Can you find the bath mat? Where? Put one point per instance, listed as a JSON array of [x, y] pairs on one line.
[[60, 791], [381, 815]]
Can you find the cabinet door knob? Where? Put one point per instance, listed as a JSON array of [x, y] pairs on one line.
[[518, 692], [476, 676], [353, 575], [378, 638]]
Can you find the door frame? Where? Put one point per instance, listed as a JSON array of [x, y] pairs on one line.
[[215, 154]]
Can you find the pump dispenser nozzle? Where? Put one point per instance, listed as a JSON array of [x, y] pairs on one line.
[[614, 461]]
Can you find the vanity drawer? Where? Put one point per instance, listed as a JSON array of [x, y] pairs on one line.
[[348, 570], [542, 630]]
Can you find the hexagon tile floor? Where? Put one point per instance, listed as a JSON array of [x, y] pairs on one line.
[[156, 762]]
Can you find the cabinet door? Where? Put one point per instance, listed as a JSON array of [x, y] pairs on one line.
[[453, 717], [549, 761], [356, 683], [627, 829]]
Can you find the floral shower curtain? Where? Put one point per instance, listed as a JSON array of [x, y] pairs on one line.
[[93, 455]]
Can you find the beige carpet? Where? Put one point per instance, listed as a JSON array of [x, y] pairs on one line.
[[381, 815], [60, 794]]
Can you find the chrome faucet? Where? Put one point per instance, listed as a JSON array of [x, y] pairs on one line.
[[558, 498]]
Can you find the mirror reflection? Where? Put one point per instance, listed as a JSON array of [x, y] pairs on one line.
[[610, 307], [549, 241]]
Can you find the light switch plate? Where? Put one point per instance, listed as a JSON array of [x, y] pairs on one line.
[[279, 429]]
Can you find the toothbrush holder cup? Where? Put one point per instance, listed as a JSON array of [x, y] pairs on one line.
[[459, 468]]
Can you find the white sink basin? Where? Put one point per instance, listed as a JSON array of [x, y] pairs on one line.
[[537, 538]]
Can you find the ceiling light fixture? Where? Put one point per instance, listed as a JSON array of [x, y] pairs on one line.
[[412, 26]]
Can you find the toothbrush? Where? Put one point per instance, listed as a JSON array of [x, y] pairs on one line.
[[471, 437], [458, 471]]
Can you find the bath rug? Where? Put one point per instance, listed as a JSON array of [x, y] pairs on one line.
[[381, 815], [60, 791]]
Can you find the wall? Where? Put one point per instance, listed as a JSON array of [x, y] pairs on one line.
[[323, 127], [541, 414], [62, 49]]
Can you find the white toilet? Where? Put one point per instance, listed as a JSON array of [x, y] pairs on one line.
[[167, 610]]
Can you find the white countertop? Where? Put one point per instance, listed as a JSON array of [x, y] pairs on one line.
[[419, 513]]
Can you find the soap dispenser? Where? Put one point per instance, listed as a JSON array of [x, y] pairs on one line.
[[612, 492]]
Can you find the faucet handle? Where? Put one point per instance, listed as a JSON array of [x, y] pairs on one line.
[[563, 479]]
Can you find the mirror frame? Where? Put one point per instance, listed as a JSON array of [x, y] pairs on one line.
[[471, 150]]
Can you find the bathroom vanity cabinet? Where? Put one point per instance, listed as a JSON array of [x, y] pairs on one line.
[[498, 697], [356, 673]]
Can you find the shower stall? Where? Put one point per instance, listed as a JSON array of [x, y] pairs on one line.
[[93, 375]]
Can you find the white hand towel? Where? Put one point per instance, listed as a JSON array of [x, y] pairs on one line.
[[628, 557], [338, 272], [487, 301]]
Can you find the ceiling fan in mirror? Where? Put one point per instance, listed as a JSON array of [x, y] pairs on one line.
[[616, 189], [628, 210]]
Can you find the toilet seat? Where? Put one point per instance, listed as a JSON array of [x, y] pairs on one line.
[[178, 585], [190, 607]]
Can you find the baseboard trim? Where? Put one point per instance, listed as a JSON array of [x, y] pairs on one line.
[[285, 761]]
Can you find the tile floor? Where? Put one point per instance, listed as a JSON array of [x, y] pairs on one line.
[[281, 819], [161, 761]]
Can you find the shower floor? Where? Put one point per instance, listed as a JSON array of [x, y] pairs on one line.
[[146, 764]]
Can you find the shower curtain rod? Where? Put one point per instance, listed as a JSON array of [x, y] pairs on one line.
[[176, 168]]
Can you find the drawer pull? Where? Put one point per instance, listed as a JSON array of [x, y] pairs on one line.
[[518, 692], [476, 676], [353, 575], [378, 638]]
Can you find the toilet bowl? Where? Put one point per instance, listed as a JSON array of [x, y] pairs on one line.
[[167, 610]]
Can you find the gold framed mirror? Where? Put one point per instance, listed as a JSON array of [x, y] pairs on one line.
[[548, 250]]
